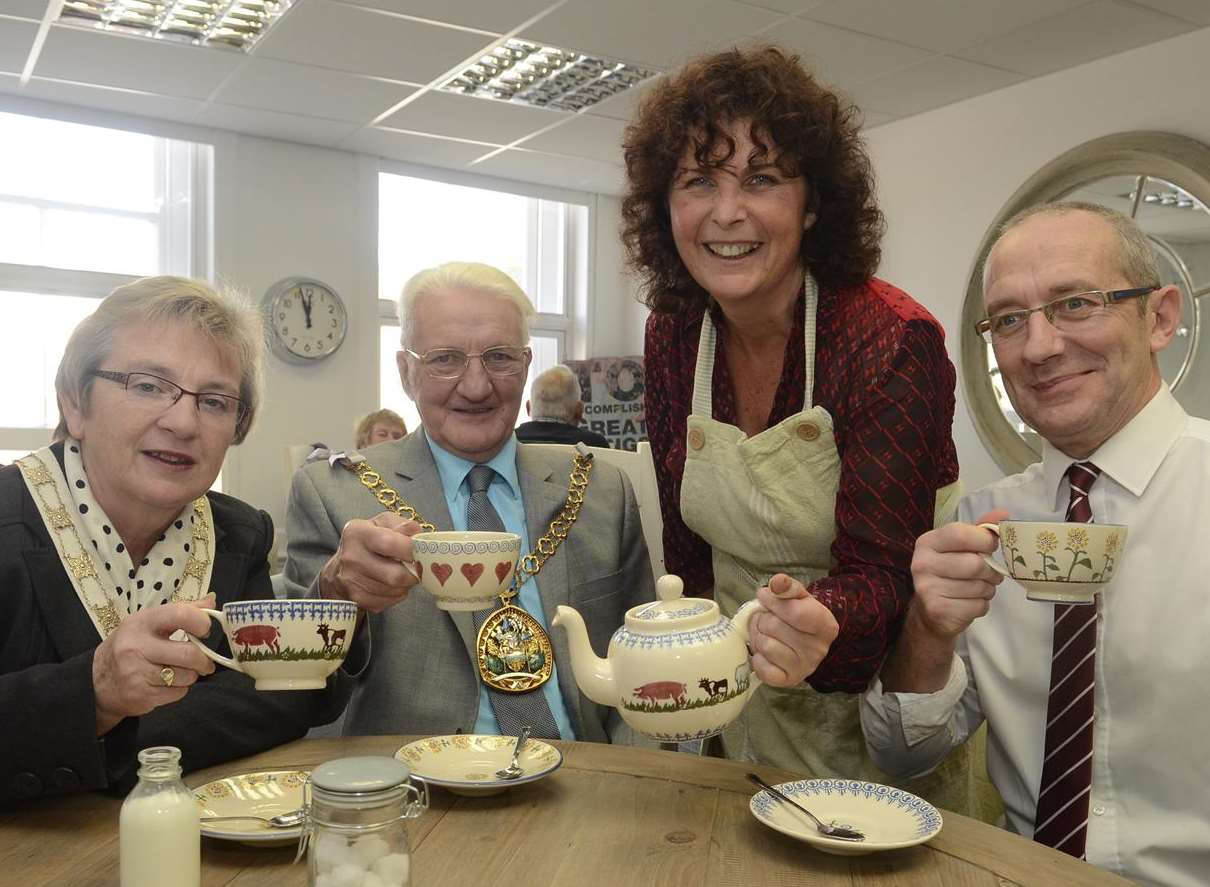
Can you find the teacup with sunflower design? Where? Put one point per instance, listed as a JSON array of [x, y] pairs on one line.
[[1058, 562]]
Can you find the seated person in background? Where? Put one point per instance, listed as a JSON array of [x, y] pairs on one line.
[[555, 410], [1088, 707], [109, 543], [378, 427]]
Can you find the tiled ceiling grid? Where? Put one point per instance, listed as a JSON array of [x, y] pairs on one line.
[[363, 75]]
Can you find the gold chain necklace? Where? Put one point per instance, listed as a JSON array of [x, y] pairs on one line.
[[510, 635]]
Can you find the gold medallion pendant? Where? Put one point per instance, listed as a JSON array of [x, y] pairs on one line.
[[513, 651]]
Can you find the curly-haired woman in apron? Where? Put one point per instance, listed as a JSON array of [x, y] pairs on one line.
[[799, 409]]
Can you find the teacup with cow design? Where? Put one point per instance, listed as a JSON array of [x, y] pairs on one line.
[[285, 644], [465, 570]]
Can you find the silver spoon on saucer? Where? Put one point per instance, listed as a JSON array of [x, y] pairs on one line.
[[839, 832], [513, 771], [281, 820]]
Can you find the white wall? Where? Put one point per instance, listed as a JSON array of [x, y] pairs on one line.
[[943, 175]]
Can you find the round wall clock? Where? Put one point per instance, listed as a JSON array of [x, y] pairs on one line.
[[307, 319]]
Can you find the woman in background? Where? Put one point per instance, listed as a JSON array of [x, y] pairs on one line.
[[378, 427]]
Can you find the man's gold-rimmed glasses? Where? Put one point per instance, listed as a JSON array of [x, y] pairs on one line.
[[1066, 313], [448, 364]]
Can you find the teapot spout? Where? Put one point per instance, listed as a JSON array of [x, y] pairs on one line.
[[593, 675]]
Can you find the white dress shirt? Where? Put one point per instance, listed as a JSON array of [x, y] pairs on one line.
[[1149, 812]]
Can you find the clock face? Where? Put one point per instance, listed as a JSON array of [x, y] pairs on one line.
[[308, 319]]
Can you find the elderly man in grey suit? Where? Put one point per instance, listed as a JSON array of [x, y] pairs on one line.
[[464, 328], [464, 361]]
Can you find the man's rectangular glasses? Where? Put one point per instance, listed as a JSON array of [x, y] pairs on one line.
[[451, 363], [159, 394], [1065, 313]]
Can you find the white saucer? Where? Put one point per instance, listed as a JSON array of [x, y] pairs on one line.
[[466, 763], [260, 793], [890, 818]]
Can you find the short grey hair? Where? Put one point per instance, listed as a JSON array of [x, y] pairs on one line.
[[1136, 258], [474, 276], [228, 320], [555, 394]]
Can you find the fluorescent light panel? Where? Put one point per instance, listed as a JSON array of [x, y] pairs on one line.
[[545, 77], [234, 23]]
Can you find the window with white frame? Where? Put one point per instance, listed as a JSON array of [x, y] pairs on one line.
[[82, 210], [541, 242]]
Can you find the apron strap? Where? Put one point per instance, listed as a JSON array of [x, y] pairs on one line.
[[703, 373]]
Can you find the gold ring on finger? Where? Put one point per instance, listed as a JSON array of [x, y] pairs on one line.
[[168, 675]]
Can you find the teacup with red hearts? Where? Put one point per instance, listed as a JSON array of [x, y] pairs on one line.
[[465, 569]]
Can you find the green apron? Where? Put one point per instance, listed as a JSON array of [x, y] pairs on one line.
[[767, 504]]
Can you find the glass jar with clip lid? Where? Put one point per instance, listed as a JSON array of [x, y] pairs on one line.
[[355, 831]]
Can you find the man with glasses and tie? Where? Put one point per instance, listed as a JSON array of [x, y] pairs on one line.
[[1093, 722]]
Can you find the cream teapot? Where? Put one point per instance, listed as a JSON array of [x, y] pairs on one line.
[[677, 669]]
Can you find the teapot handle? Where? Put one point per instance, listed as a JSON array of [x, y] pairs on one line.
[[741, 619]]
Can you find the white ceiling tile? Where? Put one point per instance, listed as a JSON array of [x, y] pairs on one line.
[[870, 119], [314, 92], [288, 127], [845, 58], [940, 25], [568, 172], [930, 84], [657, 34], [34, 9], [1072, 38], [498, 16], [467, 117], [415, 148], [346, 38], [118, 100], [111, 59], [583, 136], [15, 40], [1190, 10]]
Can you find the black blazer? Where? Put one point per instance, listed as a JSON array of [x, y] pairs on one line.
[[547, 431], [48, 741]]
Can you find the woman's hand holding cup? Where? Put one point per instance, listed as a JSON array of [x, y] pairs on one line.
[[138, 668]]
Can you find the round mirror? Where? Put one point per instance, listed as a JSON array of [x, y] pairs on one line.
[[1162, 181]]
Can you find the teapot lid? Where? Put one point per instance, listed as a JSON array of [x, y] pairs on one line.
[[672, 610]]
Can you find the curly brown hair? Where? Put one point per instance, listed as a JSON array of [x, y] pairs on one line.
[[810, 131]]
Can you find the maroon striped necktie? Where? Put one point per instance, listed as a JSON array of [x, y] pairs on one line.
[[1062, 817]]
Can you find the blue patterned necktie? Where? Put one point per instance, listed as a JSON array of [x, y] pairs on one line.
[[513, 710]]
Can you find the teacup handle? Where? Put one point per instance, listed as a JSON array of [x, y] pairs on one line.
[[987, 558], [742, 617], [220, 659]]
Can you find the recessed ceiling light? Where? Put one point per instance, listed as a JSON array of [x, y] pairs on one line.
[[234, 23], [546, 77]]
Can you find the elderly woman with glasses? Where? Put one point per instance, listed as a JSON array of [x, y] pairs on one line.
[[110, 543]]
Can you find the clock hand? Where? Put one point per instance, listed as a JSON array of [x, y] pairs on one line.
[[306, 297]]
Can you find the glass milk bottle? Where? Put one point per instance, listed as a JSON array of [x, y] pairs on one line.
[[356, 822], [160, 834]]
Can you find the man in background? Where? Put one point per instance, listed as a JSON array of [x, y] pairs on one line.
[[555, 410]]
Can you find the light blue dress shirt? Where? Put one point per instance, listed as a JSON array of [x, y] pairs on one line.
[[505, 496]]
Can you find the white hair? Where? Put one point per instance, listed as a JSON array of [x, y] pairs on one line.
[[474, 276], [555, 394]]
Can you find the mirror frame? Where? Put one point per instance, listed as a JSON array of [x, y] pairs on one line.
[[1180, 160]]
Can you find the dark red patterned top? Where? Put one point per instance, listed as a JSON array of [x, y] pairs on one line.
[[882, 373]]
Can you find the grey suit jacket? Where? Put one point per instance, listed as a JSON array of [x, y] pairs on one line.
[[420, 676]]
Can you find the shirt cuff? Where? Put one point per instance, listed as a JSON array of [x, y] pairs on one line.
[[922, 715]]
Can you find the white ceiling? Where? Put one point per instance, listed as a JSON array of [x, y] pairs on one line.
[[361, 75]]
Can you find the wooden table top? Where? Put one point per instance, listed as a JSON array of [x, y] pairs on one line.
[[611, 815]]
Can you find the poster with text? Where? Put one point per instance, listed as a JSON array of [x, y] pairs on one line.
[[612, 391]]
